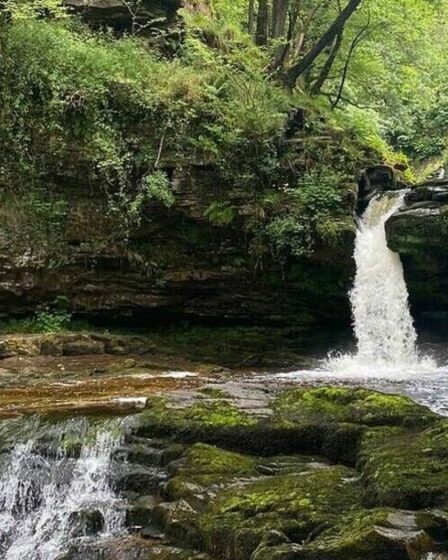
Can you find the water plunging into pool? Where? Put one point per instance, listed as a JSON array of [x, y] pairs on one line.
[[386, 339], [383, 325]]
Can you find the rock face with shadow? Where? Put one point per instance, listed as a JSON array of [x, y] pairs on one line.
[[156, 19], [177, 265], [419, 233], [374, 181]]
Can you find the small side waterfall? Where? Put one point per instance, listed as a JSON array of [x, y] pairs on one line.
[[382, 321], [55, 488]]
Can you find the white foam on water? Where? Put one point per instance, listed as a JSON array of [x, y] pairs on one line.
[[138, 403], [179, 374]]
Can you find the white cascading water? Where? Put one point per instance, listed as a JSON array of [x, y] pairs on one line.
[[43, 498], [383, 325]]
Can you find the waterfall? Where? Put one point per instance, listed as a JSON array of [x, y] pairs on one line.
[[55, 489], [383, 325]]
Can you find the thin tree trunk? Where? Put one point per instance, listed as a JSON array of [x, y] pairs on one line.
[[251, 18], [359, 37], [325, 72], [261, 37], [335, 28], [282, 50]]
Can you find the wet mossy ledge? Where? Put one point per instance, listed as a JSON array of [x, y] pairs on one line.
[[321, 474]]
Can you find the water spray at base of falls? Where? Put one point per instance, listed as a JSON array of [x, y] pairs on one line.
[[382, 321], [55, 489]]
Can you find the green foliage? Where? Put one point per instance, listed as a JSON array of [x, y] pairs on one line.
[[47, 319], [127, 116], [35, 219], [220, 213], [26, 9], [317, 199], [126, 110]]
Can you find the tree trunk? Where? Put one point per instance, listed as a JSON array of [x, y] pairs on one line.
[[325, 72], [359, 37], [261, 37], [251, 18], [335, 29], [280, 10]]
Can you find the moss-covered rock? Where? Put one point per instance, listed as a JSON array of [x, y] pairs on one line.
[[325, 421], [406, 469], [344, 405], [419, 233], [226, 502], [373, 535], [236, 506], [295, 504]]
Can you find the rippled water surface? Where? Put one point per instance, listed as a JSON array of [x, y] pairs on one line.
[[426, 380]]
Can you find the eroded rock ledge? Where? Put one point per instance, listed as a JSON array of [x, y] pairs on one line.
[[370, 481]]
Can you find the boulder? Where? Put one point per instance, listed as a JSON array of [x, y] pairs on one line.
[[375, 180]]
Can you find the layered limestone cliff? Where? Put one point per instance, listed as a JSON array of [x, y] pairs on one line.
[[419, 233]]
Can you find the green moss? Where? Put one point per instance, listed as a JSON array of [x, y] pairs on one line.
[[205, 470], [371, 535], [295, 504], [406, 469], [228, 503], [209, 421], [206, 459], [217, 414], [325, 421], [359, 406]]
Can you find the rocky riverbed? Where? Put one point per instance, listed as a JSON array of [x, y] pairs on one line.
[[209, 462]]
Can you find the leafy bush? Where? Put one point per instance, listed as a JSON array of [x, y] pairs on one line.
[[48, 319], [316, 206]]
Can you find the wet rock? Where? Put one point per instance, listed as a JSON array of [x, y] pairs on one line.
[[179, 522], [405, 470], [276, 546], [86, 523], [140, 479], [83, 346], [420, 235], [130, 548], [151, 532], [220, 371], [372, 535], [51, 346], [130, 363], [375, 180], [150, 453], [19, 346], [140, 510]]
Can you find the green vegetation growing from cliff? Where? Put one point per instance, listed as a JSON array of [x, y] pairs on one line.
[[284, 131]]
